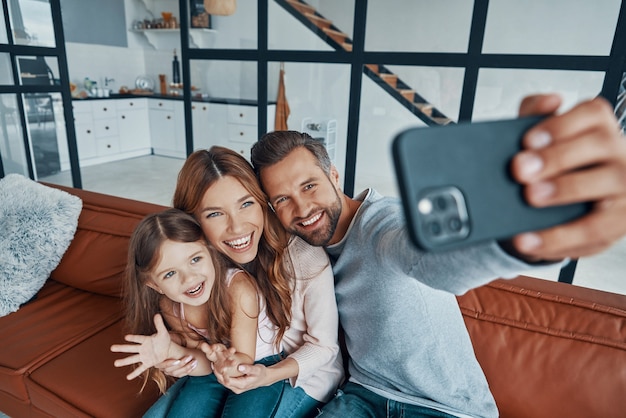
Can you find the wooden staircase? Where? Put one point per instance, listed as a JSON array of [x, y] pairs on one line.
[[380, 74]]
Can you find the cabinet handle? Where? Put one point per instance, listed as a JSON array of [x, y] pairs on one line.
[[131, 103], [240, 133], [88, 131], [169, 117], [193, 108], [108, 145], [241, 152], [160, 104], [203, 107], [241, 115], [104, 108], [106, 127]]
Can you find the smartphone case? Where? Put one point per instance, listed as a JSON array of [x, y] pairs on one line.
[[456, 186]]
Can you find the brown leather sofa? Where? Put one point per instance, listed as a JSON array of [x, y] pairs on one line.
[[548, 349]]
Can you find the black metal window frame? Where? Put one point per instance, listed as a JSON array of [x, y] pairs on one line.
[[613, 66], [472, 61], [58, 52]]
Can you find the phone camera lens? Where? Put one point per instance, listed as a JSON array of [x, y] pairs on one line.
[[441, 203], [434, 228], [455, 224]]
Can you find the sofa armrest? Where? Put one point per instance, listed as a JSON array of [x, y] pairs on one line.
[[549, 349]]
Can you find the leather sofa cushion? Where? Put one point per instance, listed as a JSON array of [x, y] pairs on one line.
[[48, 326], [82, 382], [96, 258], [566, 340]]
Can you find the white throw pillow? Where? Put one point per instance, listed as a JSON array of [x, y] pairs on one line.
[[37, 224]]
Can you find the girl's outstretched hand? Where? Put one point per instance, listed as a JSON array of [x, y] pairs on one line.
[[148, 350]]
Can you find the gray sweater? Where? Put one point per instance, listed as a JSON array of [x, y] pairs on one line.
[[404, 331]]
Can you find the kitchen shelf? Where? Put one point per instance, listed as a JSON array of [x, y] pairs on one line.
[[170, 38]]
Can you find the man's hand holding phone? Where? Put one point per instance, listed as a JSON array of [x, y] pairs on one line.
[[577, 156]]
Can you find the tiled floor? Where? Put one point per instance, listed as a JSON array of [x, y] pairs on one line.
[[150, 178], [153, 179]]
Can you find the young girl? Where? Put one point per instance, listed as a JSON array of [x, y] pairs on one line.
[[173, 274], [219, 188]]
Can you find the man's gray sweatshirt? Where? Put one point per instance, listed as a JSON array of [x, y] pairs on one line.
[[404, 331]]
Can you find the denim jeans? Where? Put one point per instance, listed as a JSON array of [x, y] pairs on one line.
[[355, 401], [204, 396], [191, 396], [295, 403], [261, 402]]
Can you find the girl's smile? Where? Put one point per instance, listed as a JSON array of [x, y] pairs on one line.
[[184, 272]]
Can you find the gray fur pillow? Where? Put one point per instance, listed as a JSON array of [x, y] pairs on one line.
[[37, 224]]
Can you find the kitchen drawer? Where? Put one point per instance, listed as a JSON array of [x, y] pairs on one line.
[[107, 146], [104, 109], [239, 114], [246, 134], [82, 108], [161, 104], [131, 104], [105, 127], [241, 148]]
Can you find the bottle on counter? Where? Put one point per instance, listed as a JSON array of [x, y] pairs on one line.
[[163, 84], [175, 69]]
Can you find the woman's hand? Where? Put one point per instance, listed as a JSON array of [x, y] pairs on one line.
[[148, 350], [577, 156], [251, 377]]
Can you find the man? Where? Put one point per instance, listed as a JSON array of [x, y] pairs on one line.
[[410, 352]]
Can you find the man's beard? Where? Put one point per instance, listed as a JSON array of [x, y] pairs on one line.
[[322, 237]]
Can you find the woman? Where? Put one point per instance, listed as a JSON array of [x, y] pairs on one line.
[[219, 188]]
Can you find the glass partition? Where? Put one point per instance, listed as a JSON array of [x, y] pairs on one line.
[[224, 79], [11, 137], [38, 70], [6, 72], [317, 96], [558, 27], [4, 37], [418, 26], [31, 21], [394, 98], [46, 131], [500, 91], [323, 25], [235, 31]]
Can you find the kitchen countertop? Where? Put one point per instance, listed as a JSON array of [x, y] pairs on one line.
[[245, 102]]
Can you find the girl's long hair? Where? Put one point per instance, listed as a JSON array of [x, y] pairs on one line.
[[142, 302], [272, 266]]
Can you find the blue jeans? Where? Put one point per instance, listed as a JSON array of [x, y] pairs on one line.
[[204, 396], [197, 396], [355, 401], [295, 403]]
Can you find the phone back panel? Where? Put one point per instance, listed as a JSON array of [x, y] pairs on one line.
[[456, 178]]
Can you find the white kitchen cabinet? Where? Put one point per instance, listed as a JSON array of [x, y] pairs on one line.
[[231, 125], [209, 125], [85, 136], [106, 132], [242, 126], [167, 128], [134, 126], [110, 130]]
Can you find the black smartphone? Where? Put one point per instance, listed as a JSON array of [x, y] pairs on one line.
[[456, 186]]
